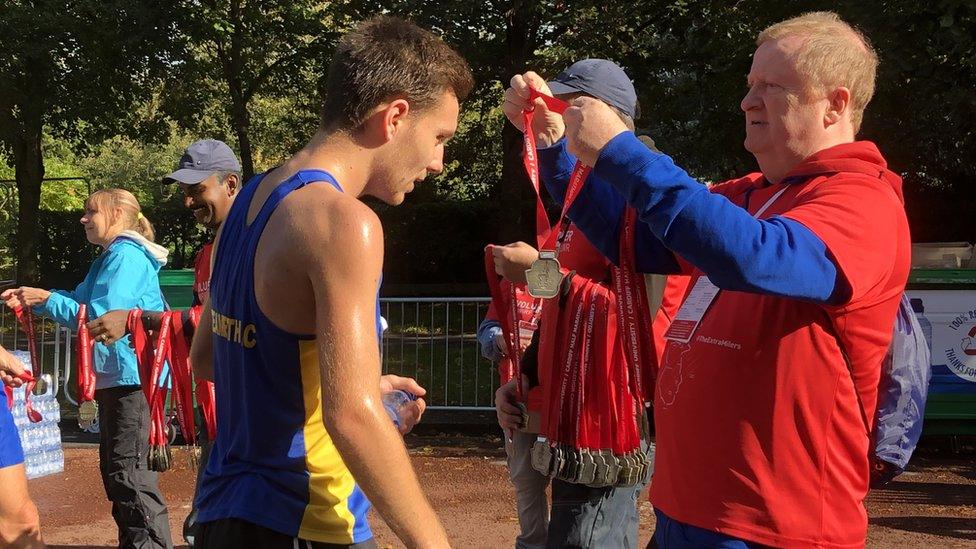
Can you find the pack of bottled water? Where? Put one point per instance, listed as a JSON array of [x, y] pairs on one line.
[[41, 441]]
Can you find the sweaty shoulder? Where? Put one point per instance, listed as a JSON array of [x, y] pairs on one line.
[[319, 217]]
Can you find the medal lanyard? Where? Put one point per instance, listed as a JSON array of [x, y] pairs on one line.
[[546, 235], [26, 319], [86, 376], [508, 320]]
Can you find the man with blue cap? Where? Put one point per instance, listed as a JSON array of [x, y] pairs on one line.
[[582, 515]]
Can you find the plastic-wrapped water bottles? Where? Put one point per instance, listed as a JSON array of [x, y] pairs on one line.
[[41, 441]]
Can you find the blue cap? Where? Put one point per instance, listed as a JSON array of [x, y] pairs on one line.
[[201, 160], [602, 79]]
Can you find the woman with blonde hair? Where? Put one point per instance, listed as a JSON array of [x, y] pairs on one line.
[[123, 276]]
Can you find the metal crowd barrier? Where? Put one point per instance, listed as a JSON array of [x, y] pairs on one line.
[[433, 340]]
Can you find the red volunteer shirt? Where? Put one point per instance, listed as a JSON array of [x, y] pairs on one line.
[[759, 431]]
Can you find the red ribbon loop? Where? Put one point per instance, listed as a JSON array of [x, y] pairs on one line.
[[25, 317]]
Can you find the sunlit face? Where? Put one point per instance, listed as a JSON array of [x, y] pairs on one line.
[[100, 223], [209, 200], [417, 150], [784, 118]]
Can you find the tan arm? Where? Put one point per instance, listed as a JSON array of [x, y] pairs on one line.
[[201, 350], [345, 282]]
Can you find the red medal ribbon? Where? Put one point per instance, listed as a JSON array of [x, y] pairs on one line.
[[546, 235], [25, 317], [179, 364], [86, 375]]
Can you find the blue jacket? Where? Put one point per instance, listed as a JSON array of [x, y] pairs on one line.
[[124, 276]]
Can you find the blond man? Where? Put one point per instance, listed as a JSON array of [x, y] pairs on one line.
[[769, 379]]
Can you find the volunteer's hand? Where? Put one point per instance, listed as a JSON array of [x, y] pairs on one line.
[[10, 369], [501, 344], [506, 407], [411, 412], [547, 126], [110, 327], [512, 260], [590, 125], [25, 296]]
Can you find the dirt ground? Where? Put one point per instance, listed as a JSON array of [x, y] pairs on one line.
[[932, 505]]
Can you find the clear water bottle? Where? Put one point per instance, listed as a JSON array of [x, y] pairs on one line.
[[919, 308], [394, 401]]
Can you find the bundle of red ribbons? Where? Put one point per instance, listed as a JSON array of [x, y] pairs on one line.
[[170, 347], [595, 355]]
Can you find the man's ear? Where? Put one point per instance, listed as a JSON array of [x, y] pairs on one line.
[[392, 116], [838, 106], [233, 183]]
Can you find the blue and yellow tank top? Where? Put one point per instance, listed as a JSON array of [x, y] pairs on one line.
[[273, 463]]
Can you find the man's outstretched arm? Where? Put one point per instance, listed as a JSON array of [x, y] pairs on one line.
[[345, 276]]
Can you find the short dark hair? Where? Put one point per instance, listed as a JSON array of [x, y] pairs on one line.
[[385, 57]]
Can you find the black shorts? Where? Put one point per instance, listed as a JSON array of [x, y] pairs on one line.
[[235, 533]]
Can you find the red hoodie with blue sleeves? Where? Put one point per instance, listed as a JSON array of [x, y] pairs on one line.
[[680, 216], [766, 421]]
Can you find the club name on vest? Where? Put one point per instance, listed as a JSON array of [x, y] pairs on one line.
[[234, 330]]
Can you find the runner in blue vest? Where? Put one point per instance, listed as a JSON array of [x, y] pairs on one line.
[[290, 332]]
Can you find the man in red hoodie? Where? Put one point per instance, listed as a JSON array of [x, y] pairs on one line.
[[768, 385]]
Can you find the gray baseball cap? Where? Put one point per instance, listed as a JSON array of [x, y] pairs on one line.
[[201, 160], [600, 78]]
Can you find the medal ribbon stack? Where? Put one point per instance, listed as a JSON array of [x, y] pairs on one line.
[[593, 347], [87, 407], [151, 362]]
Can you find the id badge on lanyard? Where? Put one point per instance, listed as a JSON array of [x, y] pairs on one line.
[[704, 292]]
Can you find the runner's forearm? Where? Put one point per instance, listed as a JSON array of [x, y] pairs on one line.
[[374, 452]]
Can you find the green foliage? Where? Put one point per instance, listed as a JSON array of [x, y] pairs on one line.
[[248, 73]]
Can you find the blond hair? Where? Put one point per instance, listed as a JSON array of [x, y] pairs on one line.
[[833, 54], [132, 218]]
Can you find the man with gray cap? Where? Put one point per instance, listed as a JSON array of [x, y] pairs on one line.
[[582, 516], [209, 177]]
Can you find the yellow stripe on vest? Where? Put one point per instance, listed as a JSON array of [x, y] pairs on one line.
[[327, 517]]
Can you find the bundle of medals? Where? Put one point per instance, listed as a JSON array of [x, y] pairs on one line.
[[594, 345], [26, 320], [170, 346], [87, 408]]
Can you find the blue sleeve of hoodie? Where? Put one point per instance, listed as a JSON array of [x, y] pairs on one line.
[[776, 256], [121, 281], [597, 211]]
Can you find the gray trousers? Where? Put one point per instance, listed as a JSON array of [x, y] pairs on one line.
[[137, 505], [582, 516], [530, 492]]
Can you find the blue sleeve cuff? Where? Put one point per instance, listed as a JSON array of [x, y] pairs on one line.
[[487, 332]]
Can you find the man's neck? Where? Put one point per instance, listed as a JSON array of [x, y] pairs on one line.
[[774, 172], [337, 153]]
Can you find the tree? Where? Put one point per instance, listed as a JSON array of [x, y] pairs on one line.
[[238, 52], [75, 68]]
